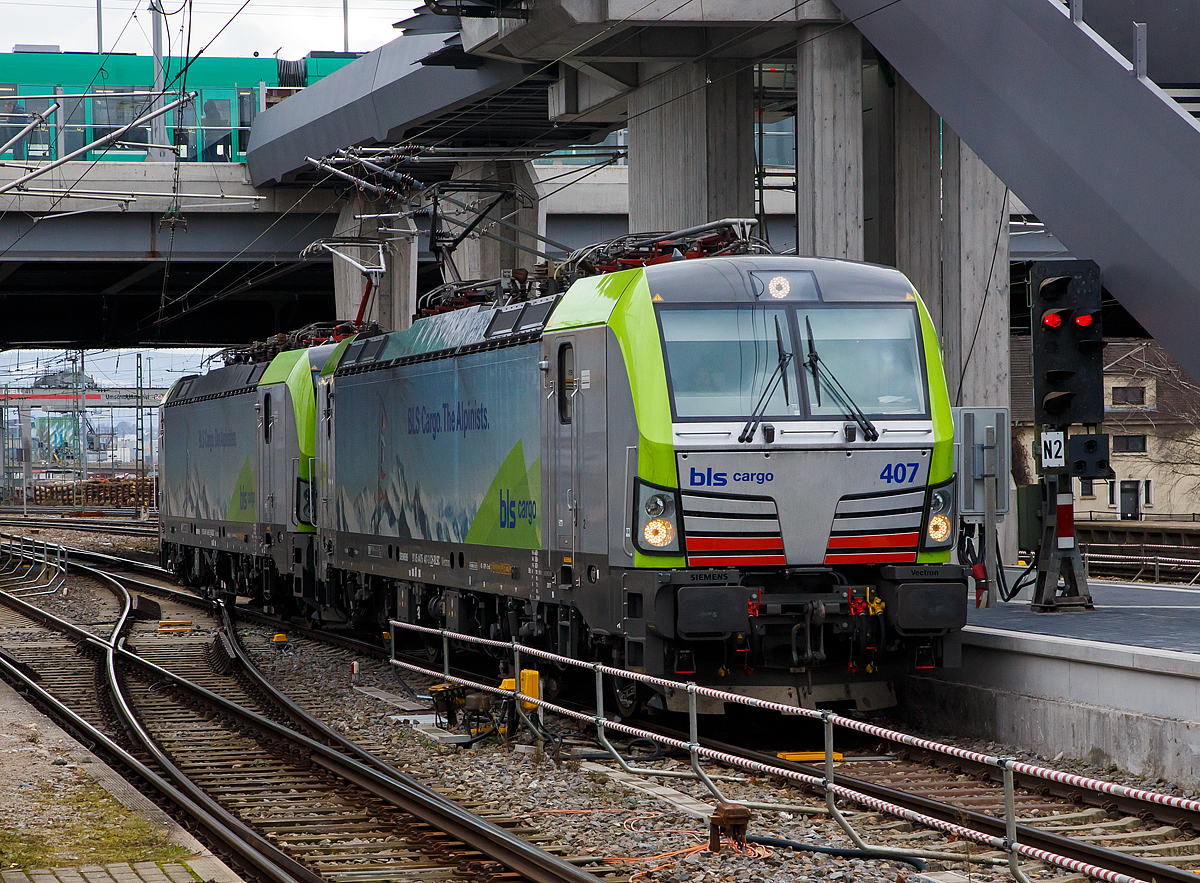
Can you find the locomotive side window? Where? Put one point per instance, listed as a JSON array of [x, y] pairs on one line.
[[267, 418], [566, 381]]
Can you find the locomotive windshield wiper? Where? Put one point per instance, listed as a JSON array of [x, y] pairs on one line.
[[780, 373], [821, 372]]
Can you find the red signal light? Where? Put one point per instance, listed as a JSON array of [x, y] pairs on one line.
[[1052, 320], [1084, 320]]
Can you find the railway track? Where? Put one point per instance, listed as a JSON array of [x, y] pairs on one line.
[[287, 798], [115, 526], [1128, 836], [1122, 832]]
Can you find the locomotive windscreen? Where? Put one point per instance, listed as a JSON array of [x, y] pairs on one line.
[[722, 359], [875, 354]]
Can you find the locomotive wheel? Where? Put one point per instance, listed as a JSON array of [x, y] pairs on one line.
[[627, 696], [433, 648]]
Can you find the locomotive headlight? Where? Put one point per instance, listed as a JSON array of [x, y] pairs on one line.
[[659, 532], [657, 504], [656, 528], [939, 517], [938, 530]]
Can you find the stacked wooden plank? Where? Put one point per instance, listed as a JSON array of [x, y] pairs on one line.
[[116, 492]]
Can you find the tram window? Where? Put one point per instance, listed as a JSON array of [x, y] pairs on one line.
[[247, 108], [566, 381], [74, 120], [112, 110], [184, 132], [267, 418]]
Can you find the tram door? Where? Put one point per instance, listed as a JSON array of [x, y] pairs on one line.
[[217, 123]]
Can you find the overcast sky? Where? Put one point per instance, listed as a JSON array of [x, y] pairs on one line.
[[295, 27]]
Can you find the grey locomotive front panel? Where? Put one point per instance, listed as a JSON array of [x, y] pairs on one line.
[[801, 507]]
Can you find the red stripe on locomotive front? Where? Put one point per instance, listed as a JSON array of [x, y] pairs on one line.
[[735, 560], [873, 558], [734, 544], [876, 541]]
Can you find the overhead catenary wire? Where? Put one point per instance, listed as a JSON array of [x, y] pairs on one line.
[[545, 67]]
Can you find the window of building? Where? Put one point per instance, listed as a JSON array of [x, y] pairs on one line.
[[1147, 494], [1087, 487], [1129, 395], [1112, 493], [1129, 444]]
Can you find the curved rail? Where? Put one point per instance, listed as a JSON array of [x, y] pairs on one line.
[[344, 759]]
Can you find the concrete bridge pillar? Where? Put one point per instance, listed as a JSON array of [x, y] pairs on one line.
[[393, 300], [691, 144], [950, 235], [951, 240], [484, 254], [829, 142]]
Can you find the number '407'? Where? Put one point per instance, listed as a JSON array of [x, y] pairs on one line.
[[899, 473]]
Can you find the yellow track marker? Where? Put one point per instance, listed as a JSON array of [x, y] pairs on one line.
[[806, 756]]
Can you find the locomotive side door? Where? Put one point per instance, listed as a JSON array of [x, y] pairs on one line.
[[560, 391], [576, 477], [270, 405]]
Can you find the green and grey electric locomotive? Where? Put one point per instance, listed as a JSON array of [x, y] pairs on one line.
[[735, 470]]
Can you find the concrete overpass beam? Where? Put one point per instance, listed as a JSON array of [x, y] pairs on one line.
[[829, 142], [691, 145]]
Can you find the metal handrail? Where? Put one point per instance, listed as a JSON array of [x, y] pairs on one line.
[[1007, 766]]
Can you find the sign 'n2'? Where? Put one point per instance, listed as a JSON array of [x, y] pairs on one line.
[[1053, 450]]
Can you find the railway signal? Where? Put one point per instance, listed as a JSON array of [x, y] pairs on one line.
[[1068, 343], [1068, 389]]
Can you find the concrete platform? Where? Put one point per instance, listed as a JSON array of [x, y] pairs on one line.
[[43, 752], [1162, 617], [1118, 686]]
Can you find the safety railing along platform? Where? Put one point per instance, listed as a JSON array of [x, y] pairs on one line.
[[1009, 844]]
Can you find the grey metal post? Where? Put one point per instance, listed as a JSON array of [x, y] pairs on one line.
[[1010, 823], [445, 653], [158, 127], [1139, 50], [989, 514], [26, 416], [1077, 11], [694, 745], [830, 804], [346, 25], [60, 131], [99, 28]]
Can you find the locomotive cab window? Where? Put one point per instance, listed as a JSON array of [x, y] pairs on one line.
[[873, 352], [722, 361], [566, 381], [267, 418]]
